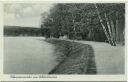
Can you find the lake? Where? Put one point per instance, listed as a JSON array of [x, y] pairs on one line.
[[28, 55]]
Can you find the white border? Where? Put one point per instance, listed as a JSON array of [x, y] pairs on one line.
[[1, 38], [64, 1], [5, 77]]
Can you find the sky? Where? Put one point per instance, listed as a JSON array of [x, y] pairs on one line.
[[25, 14]]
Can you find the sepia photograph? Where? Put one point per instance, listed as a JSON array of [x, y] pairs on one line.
[[64, 38]]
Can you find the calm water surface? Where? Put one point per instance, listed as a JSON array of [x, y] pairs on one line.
[[28, 55]]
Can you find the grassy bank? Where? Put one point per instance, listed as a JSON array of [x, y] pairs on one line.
[[73, 58]]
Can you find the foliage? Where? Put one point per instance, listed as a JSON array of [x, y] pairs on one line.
[[81, 21], [21, 31]]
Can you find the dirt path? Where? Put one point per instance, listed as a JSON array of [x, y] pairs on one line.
[[91, 58], [79, 58], [109, 59]]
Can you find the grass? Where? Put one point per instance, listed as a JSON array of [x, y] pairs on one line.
[[73, 58]]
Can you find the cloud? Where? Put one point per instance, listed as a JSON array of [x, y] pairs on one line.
[[9, 17], [25, 14], [27, 10]]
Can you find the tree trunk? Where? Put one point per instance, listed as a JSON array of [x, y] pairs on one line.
[[103, 26], [113, 33], [117, 32], [109, 30], [108, 25]]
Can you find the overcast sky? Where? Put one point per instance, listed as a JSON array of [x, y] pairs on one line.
[[22, 14]]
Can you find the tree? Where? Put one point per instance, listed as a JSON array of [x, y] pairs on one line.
[[111, 16], [95, 22]]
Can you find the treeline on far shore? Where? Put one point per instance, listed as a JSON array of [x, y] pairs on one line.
[[22, 31]]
